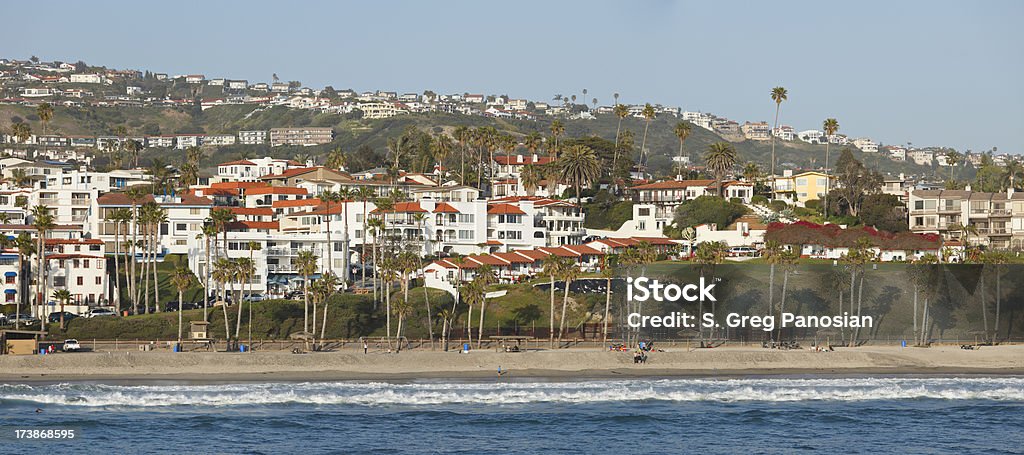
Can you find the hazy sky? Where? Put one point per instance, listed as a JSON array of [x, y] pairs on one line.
[[929, 72]]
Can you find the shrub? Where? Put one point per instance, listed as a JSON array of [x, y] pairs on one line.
[[759, 200], [778, 205]]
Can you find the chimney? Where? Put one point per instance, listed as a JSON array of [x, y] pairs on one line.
[[535, 158], [1009, 193], [519, 159], [968, 187]]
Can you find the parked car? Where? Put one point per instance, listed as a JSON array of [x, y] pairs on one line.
[[25, 319], [54, 317], [97, 312], [253, 298], [71, 346], [743, 251], [173, 306]]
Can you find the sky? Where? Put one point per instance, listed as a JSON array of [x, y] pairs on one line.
[[927, 72]]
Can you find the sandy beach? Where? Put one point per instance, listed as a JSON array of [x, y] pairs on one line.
[[568, 363]]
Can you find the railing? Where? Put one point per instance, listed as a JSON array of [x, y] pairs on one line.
[[80, 201], [49, 201], [79, 218]]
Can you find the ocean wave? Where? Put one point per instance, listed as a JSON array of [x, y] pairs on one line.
[[514, 393]]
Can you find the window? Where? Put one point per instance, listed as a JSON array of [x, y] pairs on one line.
[[81, 281], [359, 233], [99, 264], [180, 227], [99, 280], [801, 182], [821, 181], [193, 211], [465, 234], [10, 280], [465, 217], [85, 264]]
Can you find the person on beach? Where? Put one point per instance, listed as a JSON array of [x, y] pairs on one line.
[[365, 347]]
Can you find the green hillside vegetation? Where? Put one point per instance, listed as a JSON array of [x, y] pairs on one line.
[[353, 133]]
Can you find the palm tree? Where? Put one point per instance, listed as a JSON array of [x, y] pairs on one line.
[[952, 159], [364, 194], [830, 126], [182, 279], [244, 270], [45, 113], [376, 226], [484, 277], [709, 254], [779, 94], [1012, 170], [306, 265], [788, 259], [442, 147], [329, 197], [134, 194], [25, 249], [607, 272], [649, 115], [570, 271], [552, 268], [682, 131], [119, 217], [773, 255], [328, 285], [336, 159], [43, 222], [557, 129], [210, 234], [62, 296], [133, 147], [220, 218], [462, 135], [21, 131], [621, 112], [579, 166], [530, 178], [720, 158], [388, 275], [222, 273]]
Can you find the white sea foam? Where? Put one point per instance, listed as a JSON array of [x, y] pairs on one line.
[[510, 393]]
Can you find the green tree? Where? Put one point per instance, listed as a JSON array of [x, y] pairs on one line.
[[182, 279], [830, 125], [720, 159], [62, 296], [779, 94], [42, 222], [649, 114], [306, 265], [579, 166], [707, 210], [682, 131], [45, 113]]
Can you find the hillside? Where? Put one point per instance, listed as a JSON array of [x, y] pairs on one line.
[[352, 134]]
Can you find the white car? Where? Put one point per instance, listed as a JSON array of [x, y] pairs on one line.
[[71, 346], [96, 312], [742, 251]]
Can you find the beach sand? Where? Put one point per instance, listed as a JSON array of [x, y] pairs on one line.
[[564, 363]]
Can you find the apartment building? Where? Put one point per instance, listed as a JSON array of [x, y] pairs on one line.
[[304, 136], [802, 187], [252, 137], [78, 265], [991, 219], [756, 131]]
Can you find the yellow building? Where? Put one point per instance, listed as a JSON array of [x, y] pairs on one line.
[[802, 187]]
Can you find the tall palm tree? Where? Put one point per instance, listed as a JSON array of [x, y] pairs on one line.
[[364, 194], [708, 255], [134, 194], [45, 113], [621, 112], [43, 222], [388, 276], [788, 259], [552, 268], [376, 228], [608, 263], [329, 197], [182, 279], [953, 158], [62, 296], [244, 271], [649, 114], [209, 233], [25, 250], [119, 217], [773, 255], [720, 159], [682, 131], [484, 277], [1011, 171], [830, 126], [329, 285], [779, 94], [570, 272], [442, 147], [530, 178], [220, 218], [462, 134], [579, 166], [306, 265], [557, 129], [222, 273]]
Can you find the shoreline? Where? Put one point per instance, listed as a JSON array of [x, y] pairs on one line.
[[555, 365]]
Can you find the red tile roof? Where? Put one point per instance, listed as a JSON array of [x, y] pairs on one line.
[[674, 185], [527, 159], [288, 173], [258, 211], [403, 207], [238, 163], [276, 190], [444, 207], [504, 209], [296, 203], [122, 199], [246, 225], [235, 185]]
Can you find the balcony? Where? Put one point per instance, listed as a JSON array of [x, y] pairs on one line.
[[999, 213], [80, 201], [79, 218], [281, 268], [49, 201]]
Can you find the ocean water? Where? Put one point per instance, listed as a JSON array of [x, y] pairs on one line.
[[506, 415]]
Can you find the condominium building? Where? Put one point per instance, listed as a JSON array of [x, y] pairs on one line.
[[992, 219], [304, 136]]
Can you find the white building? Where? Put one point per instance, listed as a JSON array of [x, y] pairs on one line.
[[866, 145]]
